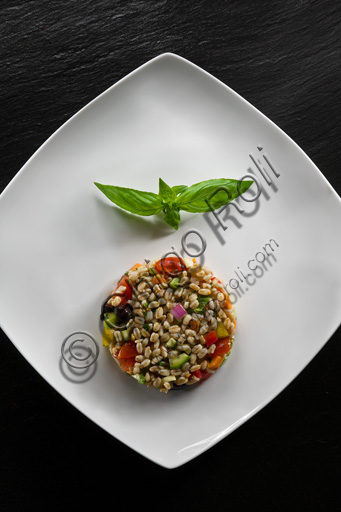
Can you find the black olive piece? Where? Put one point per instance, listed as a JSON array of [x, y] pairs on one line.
[[124, 313]]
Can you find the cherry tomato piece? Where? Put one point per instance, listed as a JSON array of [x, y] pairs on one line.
[[128, 350], [223, 347], [127, 364], [172, 266], [202, 374], [211, 338]]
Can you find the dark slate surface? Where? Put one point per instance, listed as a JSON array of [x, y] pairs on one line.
[[283, 57]]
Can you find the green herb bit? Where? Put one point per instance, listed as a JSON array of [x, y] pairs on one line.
[[141, 379], [202, 304], [226, 356], [146, 327]]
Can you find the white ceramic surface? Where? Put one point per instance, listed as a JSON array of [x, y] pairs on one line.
[[63, 245]]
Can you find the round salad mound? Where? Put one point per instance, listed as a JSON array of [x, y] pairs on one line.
[[169, 323]]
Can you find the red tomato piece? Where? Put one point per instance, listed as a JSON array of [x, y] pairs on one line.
[[127, 364], [202, 374], [128, 350], [223, 347], [198, 374], [172, 266], [211, 338]]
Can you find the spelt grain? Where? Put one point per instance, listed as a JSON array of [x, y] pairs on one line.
[[118, 336], [204, 291], [156, 326], [159, 312], [164, 372], [202, 353], [197, 348], [193, 368], [157, 382], [149, 316], [137, 333], [116, 301], [154, 337], [174, 328], [186, 319], [193, 358]]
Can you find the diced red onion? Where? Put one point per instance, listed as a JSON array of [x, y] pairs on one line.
[[178, 311]]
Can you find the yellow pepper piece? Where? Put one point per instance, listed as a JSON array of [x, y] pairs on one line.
[[108, 335], [221, 331]]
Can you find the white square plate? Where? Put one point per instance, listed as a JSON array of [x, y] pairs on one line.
[[63, 245]]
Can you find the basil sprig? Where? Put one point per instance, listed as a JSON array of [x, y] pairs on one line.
[[201, 197]]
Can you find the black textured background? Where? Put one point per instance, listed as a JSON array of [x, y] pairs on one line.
[[284, 58]]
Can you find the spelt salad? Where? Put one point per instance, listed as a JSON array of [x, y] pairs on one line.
[[169, 323]]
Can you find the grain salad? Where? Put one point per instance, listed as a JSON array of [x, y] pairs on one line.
[[169, 323]]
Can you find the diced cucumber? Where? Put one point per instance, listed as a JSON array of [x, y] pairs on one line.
[[170, 378], [171, 343], [111, 320], [178, 361], [221, 331], [126, 335], [174, 283]]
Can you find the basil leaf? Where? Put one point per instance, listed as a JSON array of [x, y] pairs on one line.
[[166, 192], [216, 192], [134, 201], [172, 217], [179, 188]]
